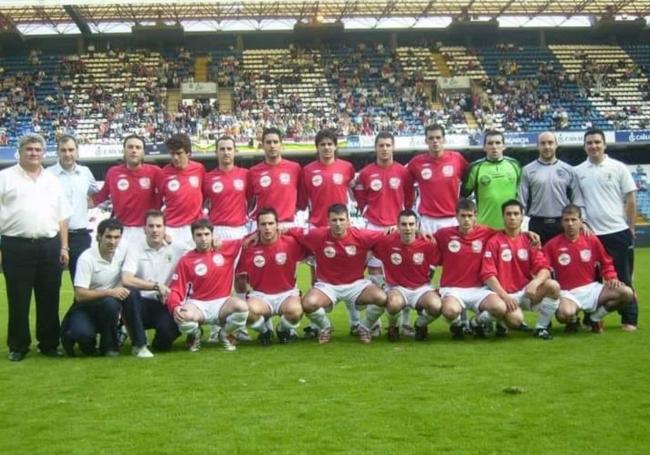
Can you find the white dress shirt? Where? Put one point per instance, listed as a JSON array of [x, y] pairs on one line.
[[78, 184]]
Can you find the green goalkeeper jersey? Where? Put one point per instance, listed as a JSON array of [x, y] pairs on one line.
[[493, 183]]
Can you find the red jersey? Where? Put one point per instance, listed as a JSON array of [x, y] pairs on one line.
[[132, 192], [338, 261], [181, 191], [407, 265], [461, 255], [575, 262], [439, 180], [272, 268], [382, 193], [226, 192], [514, 261], [324, 185], [210, 274], [275, 186]]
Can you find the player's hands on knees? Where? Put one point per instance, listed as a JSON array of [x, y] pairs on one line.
[[531, 289], [180, 314], [120, 293], [613, 284], [511, 303]]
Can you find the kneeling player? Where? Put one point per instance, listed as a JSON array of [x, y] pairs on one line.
[[520, 273], [575, 257], [408, 260], [200, 289], [270, 266]]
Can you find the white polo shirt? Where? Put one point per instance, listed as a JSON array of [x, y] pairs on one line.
[[95, 272], [153, 265], [78, 184], [30, 207], [604, 187]]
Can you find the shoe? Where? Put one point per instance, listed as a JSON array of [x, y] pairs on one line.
[[16, 356], [480, 330], [421, 333], [407, 330], [354, 329], [628, 327], [457, 332], [597, 327], [214, 335], [325, 335], [142, 352], [524, 328], [122, 335], [501, 330], [309, 333], [52, 353], [111, 353], [364, 334], [265, 338], [393, 333], [285, 337], [375, 330], [571, 327], [228, 341], [467, 328], [193, 340], [68, 346], [242, 335], [586, 321], [543, 333]]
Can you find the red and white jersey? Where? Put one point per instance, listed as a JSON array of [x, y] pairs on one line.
[[226, 193], [461, 255], [272, 268], [204, 275], [404, 265], [338, 261], [325, 185], [439, 181], [383, 192], [132, 192], [575, 262], [182, 193], [275, 186], [514, 261]]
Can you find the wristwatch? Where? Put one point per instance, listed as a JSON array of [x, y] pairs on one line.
[[156, 287]]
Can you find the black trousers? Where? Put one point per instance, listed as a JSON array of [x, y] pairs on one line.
[[32, 265], [141, 313], [620, 246], [547, 228], [84, 321], [78, 241]]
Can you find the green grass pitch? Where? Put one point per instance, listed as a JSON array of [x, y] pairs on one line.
[[583, 393]]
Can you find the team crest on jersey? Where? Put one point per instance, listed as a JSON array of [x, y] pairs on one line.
[[329, 252], [564, 259], [285, 178], [238, 184], [418, 258], [375, 185], [485, 180], [585, 255], [217, 186], [173, 185], [259, 261], [265, 181], [561, 173], [351, 250], [281, 258], [426, 173], [145, 183], [122, 184], [477, 246], [194, 181], [448, 170], [200, 269], [337, 178], [506, 255], [522, 254], [394, 182], [453, 246], [396, 258], [317, 180], [218, 260]]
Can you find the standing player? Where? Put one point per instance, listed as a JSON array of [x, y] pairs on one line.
[[181, 190], [131, 188], [408, 260], [547, 185], [493, 180], [201, 287], [340, 252], [520, 273], [575, 258], [608, 191], [270, 266]]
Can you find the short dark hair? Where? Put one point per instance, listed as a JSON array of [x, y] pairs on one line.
[[65, 138], [201, 223], [465, 204], [337, 209], [434, 127], [493, 133], [326, 134], [510, 203], [154, 213], [592, 132], [179, 141], [271, 130], [132, 136], [225, 138], [267, 211], [109, 224], [572, 208], [384, 135], [407, 212]]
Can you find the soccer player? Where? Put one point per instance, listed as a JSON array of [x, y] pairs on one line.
[[493, 180], [575, 258], [547, 185], [275, 182], [147, 271], [270, 266], [98, 295], [610, 204], [520, 273], [201, 286], [131, 188], [181, 190], [461, 287], [340, 252], [408, 260]]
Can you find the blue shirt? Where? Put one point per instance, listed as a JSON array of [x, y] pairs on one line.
[[78, 184]]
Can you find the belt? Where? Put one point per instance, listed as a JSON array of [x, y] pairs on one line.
[[29, 240], [78, 231], [547, 220]]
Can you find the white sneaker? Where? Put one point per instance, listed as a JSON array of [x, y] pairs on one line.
[[228, 341], [214, 335], [193, 340], [142, 352], [242, 335]]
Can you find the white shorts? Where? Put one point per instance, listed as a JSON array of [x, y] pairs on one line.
[[230, 232], [348, 292], [469, 298], [181, 236], [430, 225], [412, 296], [372, 260], [586, 297], [524, 302], [209, 308], [274, 301]]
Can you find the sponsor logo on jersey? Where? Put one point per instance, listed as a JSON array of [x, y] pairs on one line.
[[265, 181], [376, 185], [145, 183], [522, 254], [218, 260], [217, 186], [585, 255], [396, 258], [194, 181], [285, 178], [259, 261], [453, 246], [564, 259], [351, 250], [317, 180], [426, 173], [329, 252], [238, 184], [337, 178], [418, 258], [173, 185], [394, 182], [122, 184], [448, 170], [506, 255], [281, 258], [477, 246], [200, 269]]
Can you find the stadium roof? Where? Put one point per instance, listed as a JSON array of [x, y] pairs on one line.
[[115, 16]]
